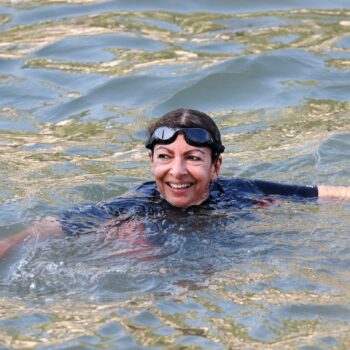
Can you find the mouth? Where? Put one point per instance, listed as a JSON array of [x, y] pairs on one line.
[[179, 186]]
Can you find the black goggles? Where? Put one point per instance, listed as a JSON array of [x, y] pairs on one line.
[[193, 136]]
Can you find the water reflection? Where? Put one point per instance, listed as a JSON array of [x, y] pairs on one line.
[[79, 82]]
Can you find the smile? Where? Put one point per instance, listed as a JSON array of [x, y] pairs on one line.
[[179, 186]]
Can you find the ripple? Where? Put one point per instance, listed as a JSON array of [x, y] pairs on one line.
[[80, 81]]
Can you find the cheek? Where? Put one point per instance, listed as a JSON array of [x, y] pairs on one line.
[[205, 175], [158, 171]]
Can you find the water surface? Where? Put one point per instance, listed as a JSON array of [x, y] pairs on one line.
[[79, 83]]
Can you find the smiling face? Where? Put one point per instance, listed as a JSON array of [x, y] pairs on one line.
[[183, 172]]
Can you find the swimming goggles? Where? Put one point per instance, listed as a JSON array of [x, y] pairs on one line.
[[193, 136]]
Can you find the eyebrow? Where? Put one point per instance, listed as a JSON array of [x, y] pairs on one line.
[[167, 149]]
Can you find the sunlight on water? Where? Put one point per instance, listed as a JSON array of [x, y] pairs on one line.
[[80, 81]]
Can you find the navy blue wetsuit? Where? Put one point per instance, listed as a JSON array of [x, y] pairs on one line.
[[229, 199]]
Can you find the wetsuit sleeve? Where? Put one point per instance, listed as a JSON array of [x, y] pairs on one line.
[[272, 188]]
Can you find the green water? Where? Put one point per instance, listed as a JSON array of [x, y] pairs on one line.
[[79, 83]]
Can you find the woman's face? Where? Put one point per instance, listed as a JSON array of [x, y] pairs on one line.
[[183, 172]]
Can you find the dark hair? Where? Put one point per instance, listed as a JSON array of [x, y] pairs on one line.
[[190, 118]]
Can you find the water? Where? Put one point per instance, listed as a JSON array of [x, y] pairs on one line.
[[79, 83]]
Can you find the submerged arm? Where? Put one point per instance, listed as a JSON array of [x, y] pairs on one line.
[[40, 230]]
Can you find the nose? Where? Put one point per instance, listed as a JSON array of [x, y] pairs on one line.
[[178, 167]]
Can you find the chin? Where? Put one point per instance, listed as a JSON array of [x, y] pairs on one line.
[[179, 203]]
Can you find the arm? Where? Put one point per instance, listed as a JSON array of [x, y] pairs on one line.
[[333, 192], [320, 191], [40, 230], [286, 190]]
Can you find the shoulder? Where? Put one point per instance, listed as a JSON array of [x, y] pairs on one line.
[[123, 202], [238, 185], [147, 188], [137, 195], [86, 217]]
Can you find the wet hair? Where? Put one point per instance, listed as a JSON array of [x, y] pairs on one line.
[[190, 118]]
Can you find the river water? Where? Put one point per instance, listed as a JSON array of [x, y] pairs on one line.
[[79, 82]]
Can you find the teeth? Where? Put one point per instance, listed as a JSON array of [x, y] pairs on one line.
[[179, 186]]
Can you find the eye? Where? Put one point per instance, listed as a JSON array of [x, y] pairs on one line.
[[163, 156], [194, 158]]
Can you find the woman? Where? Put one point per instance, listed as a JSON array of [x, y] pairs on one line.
[[185, 156]]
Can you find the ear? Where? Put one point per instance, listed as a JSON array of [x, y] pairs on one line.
[[216, 168]]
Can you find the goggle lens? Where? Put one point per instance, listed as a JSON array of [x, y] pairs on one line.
[[163, 133], [198, 135]]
